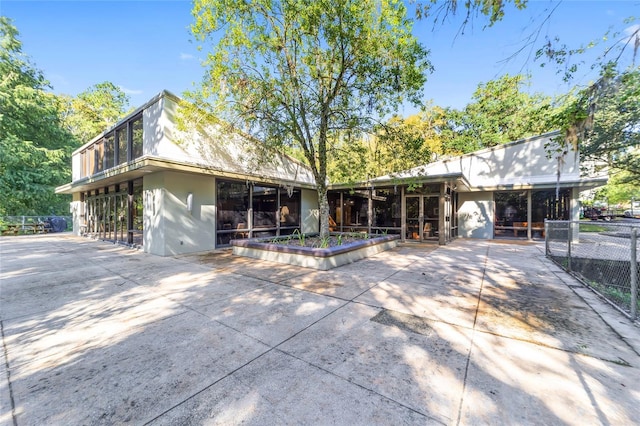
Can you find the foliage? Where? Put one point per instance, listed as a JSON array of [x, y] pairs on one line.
[[603, 121], [620, 189], [94, 110], [34, 148], [611, 49], [501, 112], [440, 10], [399, 144], [298, 73]]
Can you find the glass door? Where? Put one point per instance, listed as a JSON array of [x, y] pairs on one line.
[[414, 217], [431, 217], [422, 217]]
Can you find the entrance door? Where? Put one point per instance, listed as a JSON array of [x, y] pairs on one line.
[[422, 217], [414, 217]]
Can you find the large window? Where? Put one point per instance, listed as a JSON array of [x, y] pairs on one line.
[[289, 216], [335, 211], [512, 211], [387, 208], [355, 208], [137, 210], [84, 170], [348, 211], [544, 205], [121, 138], [273, 211], [265, 207], [136, 138], [91, 161], [233, 205], [99, 151], [108, 214], [109, 152]]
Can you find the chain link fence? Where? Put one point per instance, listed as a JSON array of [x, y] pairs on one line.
[[604, 256]]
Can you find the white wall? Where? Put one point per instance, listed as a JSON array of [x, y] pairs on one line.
[[193, 231], [76, 207], [76, 166], [154, 230], [475, 215], [310, 215], [214, 146], [519, 164], [172, 229]]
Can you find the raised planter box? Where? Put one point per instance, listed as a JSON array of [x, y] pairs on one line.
[[316, 258]]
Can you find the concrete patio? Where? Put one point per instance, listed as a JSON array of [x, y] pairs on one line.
[[476, 332]]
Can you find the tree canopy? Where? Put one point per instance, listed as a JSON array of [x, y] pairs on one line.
[[94, 110], [500, 112], [603, 121], [301, 73], [34, 147]]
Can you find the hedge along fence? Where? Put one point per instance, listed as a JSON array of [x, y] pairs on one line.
[[603, 256]]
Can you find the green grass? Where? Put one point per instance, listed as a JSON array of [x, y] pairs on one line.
[[590, 227]]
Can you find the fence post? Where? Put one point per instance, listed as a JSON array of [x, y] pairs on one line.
[[546, 237], [569, 237], [634, 274]]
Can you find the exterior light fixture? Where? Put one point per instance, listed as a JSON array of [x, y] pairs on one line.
[[190, 202]]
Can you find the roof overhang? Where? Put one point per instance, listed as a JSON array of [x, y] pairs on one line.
[[463, 185], [145, 165], [456, 178], [581, 184]]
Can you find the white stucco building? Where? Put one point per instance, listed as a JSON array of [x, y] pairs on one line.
[[145, 182]]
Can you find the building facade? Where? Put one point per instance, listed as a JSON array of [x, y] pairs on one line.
[[147, 183]]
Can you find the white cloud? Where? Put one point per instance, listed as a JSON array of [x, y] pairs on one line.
[[186, 56], [130, 91]]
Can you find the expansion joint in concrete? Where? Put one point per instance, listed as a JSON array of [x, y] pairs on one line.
[[473, 332], [6, 366]]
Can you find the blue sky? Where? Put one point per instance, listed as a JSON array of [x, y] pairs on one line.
[[146, 46]]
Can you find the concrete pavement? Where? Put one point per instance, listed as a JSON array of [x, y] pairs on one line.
[[476, 332]]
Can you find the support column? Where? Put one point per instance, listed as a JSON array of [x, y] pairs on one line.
[[130, 208], [403, 215], [442, 240], [370, 210], [529, 215]]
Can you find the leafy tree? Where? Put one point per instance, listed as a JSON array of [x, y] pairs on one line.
[[501, 112], [34, 148], [620, 189], [440, 10], [94, 110], [294, 72], [611, 49], [603, 121]]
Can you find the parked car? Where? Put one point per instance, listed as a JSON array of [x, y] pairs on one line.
[[597, 213], [632, 213]]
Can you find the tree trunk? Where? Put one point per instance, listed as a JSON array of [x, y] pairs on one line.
[[323, 204]]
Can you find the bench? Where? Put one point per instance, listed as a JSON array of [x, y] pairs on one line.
[[522, 226], [26, 228]]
